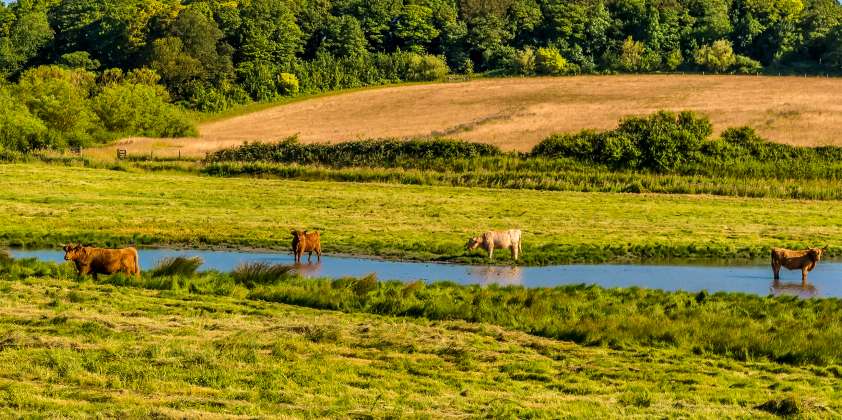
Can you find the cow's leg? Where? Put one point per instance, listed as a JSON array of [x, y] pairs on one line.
[[491, 252], [319, 254], [96, 278], [776, 270], [804, 271], [514, 251], [309, 256]]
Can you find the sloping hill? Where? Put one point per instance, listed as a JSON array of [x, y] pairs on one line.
[[517, 113]]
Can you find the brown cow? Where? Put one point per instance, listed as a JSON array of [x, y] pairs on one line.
[[303, 241], [497, 239], [805, 260], [94, 261]]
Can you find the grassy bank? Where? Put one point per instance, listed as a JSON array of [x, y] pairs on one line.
[[739, 326], [175, 350], [44, 205]]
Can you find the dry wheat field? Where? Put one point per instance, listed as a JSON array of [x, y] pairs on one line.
[[516, 113]]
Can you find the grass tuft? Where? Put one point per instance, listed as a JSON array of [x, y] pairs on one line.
[[260, 273], [177, 266]]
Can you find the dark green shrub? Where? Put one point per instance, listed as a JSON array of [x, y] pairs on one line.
[[385, 152], [662, 142]]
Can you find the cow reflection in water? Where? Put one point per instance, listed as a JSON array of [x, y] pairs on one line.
[[803, 290], [308, 269], [493, 274]]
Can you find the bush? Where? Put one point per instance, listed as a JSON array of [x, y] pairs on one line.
[[20, 130], [662, 142], [258, 79], [548, 61], [718, 57], [140, 109], [426, 68], [59, 97], [745, 65], [378, 153], [287, 84]]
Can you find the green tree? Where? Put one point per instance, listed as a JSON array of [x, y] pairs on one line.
[[175, 66], [79, 60], [344, 37], [59, 97], [19, 129], [718, 57], [27, 32], [268, 32], [202, 40], [415, 28], [632, 55]]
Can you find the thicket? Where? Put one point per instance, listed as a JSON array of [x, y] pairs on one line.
[[681, 143], [383, 152], [743, 327], [212, 54], [52, 107]]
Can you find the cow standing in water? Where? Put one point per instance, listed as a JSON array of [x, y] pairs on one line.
[[94, 261], [303, 241], [497, 239], [805, 260]]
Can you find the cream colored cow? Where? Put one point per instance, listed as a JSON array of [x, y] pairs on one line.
[[497, 239]]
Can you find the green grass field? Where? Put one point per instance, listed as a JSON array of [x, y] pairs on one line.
[[44, 205], [72, 349]]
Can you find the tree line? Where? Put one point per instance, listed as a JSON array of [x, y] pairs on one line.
[[210, 55]]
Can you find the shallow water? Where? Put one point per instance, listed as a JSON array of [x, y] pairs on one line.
[[756, 278]]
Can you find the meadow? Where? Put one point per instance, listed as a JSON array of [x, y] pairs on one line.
[[517, 113], [208, 346], [45, 205]]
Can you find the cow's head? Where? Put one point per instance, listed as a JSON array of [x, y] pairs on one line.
[[816, 253], [73, 252], [298, 235], [473, 243]]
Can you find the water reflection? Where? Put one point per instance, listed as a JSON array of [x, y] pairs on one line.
[[492, 274], [754, 277], [308, 269], [802, 290]]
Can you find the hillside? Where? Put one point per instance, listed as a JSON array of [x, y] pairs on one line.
[[517, 113]]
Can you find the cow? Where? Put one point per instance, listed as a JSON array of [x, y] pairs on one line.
[[303, 241], [805, 260], [497, 239], [94, 261]]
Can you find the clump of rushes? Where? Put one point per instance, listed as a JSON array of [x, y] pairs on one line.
[[177, 266], [260, 273]]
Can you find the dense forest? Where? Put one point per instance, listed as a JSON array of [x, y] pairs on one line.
[[75, 71]]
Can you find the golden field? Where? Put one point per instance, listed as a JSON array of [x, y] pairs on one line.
[[516, 113]]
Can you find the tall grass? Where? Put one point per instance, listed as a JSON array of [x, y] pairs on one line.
[[177, 266], [260, 273], [739, 326]]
